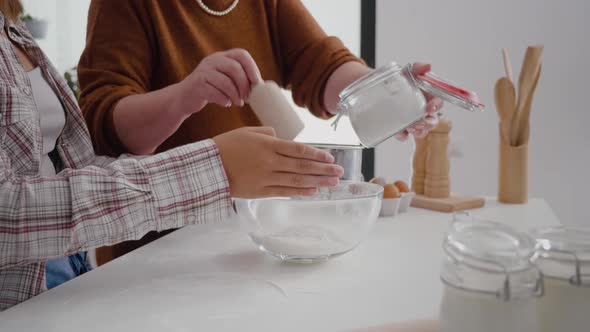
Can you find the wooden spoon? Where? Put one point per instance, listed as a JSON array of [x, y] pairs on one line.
[[528, 73], [507, 66], [505, 104]]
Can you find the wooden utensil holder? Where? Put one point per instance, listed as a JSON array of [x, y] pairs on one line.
[[513, 186]]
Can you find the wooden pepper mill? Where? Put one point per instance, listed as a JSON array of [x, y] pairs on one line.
[[431, 179], [419, 166], [436, 182]]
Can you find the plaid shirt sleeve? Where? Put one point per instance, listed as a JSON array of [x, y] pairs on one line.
[[42, 218], [93, 201]]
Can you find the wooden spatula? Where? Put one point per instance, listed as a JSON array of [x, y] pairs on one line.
[[525, 126], [507, 66], [505, 104], [528, 73]]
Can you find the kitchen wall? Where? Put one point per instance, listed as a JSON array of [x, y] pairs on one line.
[[338, 18], [66, 34], [463, 38]]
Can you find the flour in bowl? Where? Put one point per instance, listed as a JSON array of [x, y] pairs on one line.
[[304, 241]]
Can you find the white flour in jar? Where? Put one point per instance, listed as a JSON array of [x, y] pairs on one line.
[[387, 109], [464, 311], [564, 307], [304, 241]]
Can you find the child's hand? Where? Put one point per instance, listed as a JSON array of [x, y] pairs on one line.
[[258, 164]]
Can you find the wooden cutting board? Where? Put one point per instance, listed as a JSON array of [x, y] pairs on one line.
[[448, 204]]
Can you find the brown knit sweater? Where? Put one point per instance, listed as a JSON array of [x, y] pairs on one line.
[[137, 46]]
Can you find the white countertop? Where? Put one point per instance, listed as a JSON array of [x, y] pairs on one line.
[[212, 278]]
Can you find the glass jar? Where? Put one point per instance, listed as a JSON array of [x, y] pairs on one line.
[[389, 99], [490, 283], [563, 255]]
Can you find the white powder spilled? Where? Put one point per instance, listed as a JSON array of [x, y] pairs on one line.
[[305, 241], [386, 109]]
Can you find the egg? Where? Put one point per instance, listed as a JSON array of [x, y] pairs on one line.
[[390, 191], [402, 186], [379, 180]]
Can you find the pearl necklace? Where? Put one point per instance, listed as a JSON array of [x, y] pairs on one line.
[[215, 12]]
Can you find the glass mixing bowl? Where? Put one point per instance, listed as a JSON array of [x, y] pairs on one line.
[[316, 228]]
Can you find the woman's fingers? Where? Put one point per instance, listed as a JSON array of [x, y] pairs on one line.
[[236, 73], [213, 95], [431, 121], [420, 133], [245, 59], [403, 136], [420, 125], [434, 105], [422, 128], [428, 96], [421, 68], [232, 72], [224, 84]]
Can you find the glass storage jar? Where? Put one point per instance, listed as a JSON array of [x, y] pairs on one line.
[[389, 99], [490, 283], [563, 255]]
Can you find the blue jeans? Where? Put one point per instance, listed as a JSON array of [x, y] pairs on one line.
[[60, 270]]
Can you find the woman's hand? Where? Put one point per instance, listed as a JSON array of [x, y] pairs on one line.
[[222, 78], [144, 121], [434, 104], [258, 164]]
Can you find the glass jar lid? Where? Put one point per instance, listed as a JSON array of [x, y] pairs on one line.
[[564, 253], [489, 246], [370, 80], [491, 258]]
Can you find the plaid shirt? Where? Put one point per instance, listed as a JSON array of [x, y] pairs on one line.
[[93, 201]]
